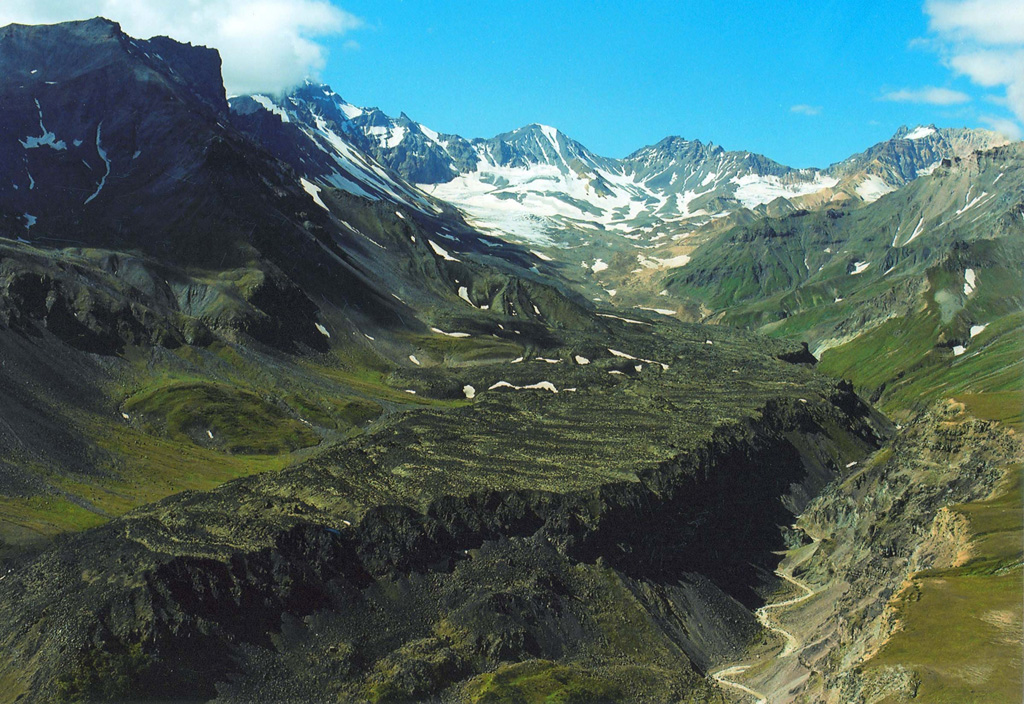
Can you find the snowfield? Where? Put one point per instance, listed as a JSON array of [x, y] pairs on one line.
[[757, 190], [872, 188], [920, 133]]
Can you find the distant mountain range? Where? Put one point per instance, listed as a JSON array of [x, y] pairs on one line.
[[536, 182]]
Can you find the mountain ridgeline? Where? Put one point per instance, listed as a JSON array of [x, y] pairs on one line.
[[303, 402], [535, 180]]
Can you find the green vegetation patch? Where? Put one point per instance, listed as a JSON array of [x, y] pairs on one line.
[[963, 627], [543, 682], [457, 351], [379, 386], [996, 529], [342, 413], [415, 670], [149, 468], [903, 362], [220, 416], [1007, 407], [12, 687], [46, 515], [102, 675]]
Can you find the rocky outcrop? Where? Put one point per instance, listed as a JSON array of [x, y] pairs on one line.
[[885, 522]]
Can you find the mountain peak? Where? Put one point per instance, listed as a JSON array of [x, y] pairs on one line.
[[96, 25], [92, 32], [919, 132], [675, 139], [41, 56], [534, 128], [675, 146]]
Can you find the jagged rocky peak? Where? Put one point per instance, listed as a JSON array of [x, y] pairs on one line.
[[962, 140], [673, 154], [919, 132], [314, 93], [307, 102], [675, 147], [911, 152], [414, 151], [536, 144]]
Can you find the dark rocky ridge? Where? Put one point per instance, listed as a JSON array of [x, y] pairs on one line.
[[179, 609], [136, 102]]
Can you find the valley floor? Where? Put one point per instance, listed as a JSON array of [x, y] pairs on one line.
[[792, 645]]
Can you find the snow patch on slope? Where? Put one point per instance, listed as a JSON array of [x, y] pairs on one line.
[[314, 191], [270, 106], [970, 281], [47, 139], [540, 385], [872, 188], [917, 232], [920, 133], [441, 252], [754, 190], [103, 155]]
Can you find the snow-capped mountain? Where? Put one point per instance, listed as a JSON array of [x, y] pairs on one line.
[[911, 152], [706, 179], [537, 184], [328, 155], [536, 181]]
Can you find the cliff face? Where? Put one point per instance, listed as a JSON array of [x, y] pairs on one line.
[[96, 121], [257, 591]]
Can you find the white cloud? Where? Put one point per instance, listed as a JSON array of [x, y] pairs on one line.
[[266, 45], [806, 109], [983, 21], [928, 94], [1004, 126], [990, 67], [984, 41]]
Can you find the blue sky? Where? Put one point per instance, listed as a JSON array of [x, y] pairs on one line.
[[617, 77], [805, 83]]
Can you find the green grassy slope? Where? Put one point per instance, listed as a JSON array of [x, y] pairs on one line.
[[910, 360], [961, 628]]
